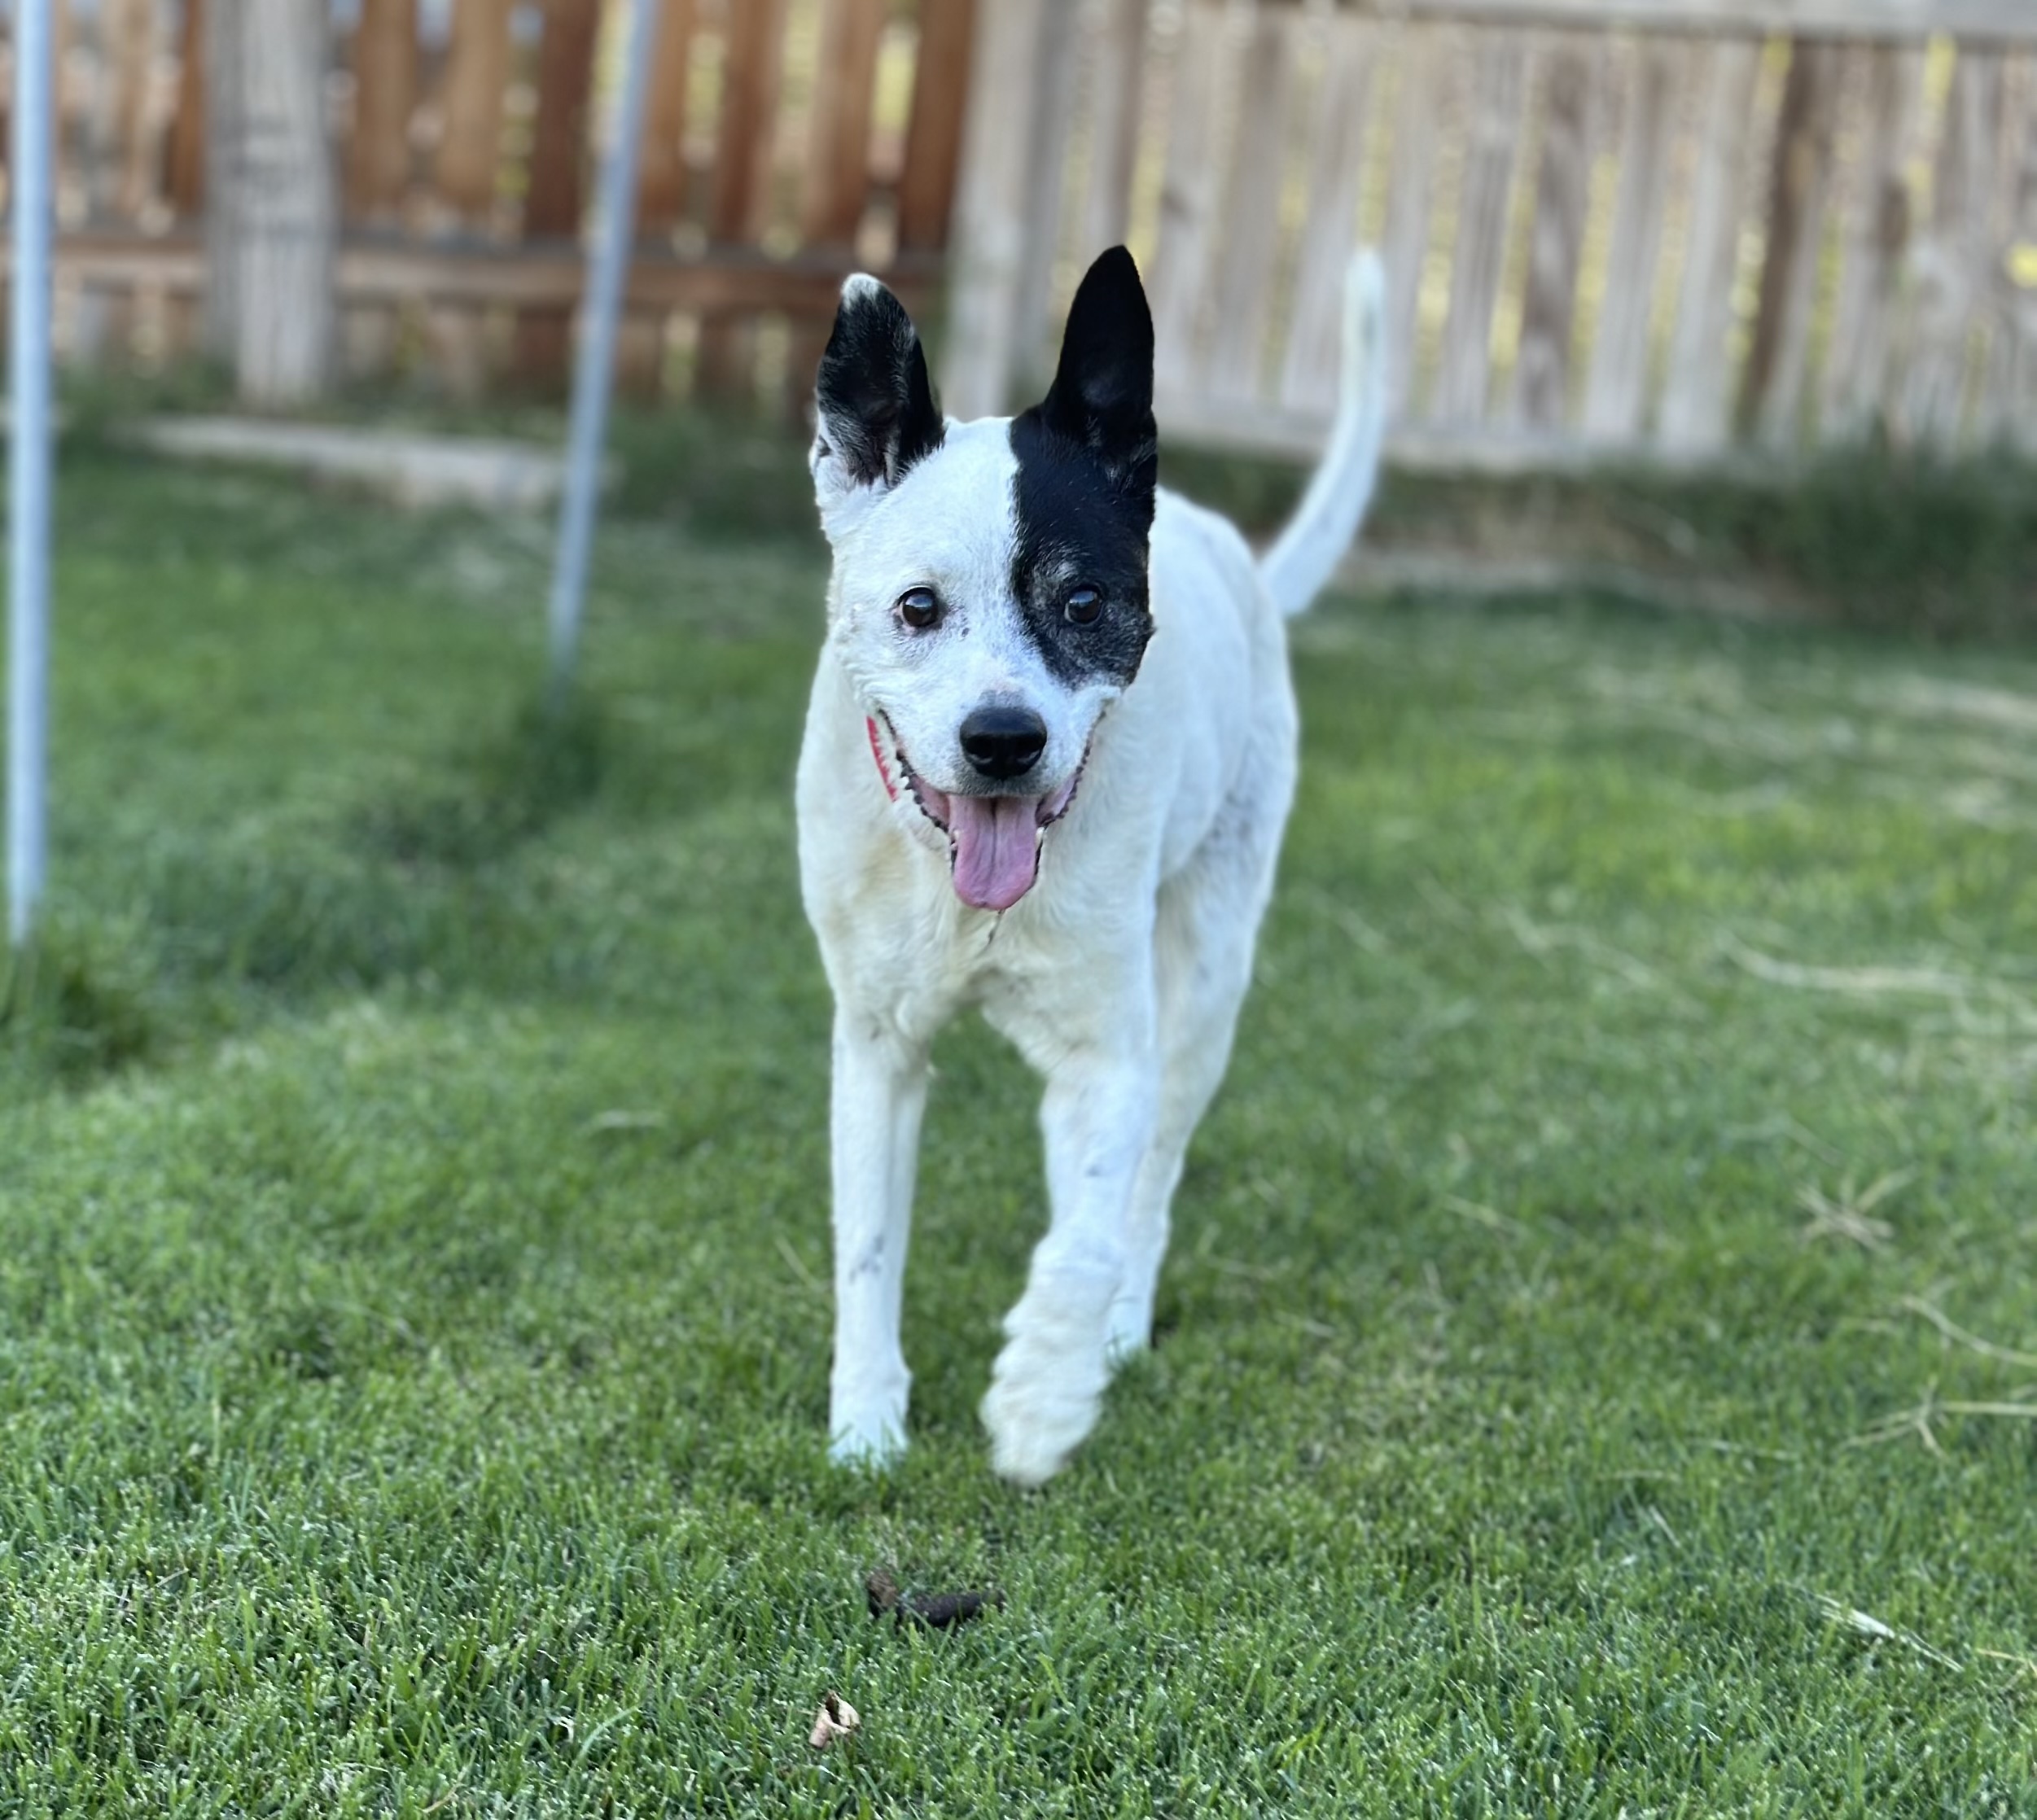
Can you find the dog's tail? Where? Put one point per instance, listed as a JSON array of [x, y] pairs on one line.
[[1309, 549]]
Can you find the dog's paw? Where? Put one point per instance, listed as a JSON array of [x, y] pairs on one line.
[[1039, 1409], [870, 1443], [867, 1453], [1130, 1332]]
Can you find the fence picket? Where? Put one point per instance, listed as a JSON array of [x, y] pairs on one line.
[[184, 158], [661, 163], [1874, 241], [125, 181], [556, 193], [385, 77], [2002, 416], [1430, 59], [1694, 407], [1343, 116], [477, 67], [1556, 248], [1499, 87], [1949, 262], [1054, 108], [934, 132], [1117, 76], [1188, 197], [1616, 380], [990, 213], [1771, 385], [753, 64], [1251, 210]]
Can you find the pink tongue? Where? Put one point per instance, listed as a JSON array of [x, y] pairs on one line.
[[996, 848]]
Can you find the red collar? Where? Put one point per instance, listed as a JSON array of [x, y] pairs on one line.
[[877, 752]]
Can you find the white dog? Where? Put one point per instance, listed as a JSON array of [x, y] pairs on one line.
[[1049, 752]]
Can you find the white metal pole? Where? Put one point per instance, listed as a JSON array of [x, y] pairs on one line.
[[28, 467], [594, 366]]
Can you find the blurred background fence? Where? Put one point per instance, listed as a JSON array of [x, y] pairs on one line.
[[789, 140], [1652, 227], [1665, 229]]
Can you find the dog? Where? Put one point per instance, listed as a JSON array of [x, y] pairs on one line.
[[1049, 755]]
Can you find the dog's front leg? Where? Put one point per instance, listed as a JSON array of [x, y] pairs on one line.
[[1096, 1118], [879, 1092]]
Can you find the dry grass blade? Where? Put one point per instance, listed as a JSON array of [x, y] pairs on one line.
[[1958, 1336], [1866, 982], [1866, 1624], [1918, 1421], [1848, 1215]]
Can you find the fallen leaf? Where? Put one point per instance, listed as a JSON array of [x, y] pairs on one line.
[[836, 1719]]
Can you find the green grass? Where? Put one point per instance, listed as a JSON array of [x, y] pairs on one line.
[[413, 1335]]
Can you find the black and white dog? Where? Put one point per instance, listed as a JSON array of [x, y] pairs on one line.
[[1049, 752]]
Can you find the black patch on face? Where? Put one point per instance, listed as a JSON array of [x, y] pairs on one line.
[[1088, 464], [875, 403]]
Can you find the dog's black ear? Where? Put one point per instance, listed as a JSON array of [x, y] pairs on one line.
[[875, 406], [1102, 397]]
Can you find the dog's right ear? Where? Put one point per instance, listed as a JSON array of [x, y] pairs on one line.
[[876, 410]]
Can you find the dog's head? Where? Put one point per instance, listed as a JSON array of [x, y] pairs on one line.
[[990, 595]]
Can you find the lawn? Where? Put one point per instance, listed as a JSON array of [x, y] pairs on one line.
[[1596, 1359]]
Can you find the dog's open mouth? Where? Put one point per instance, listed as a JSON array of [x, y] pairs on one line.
[[993, 842]]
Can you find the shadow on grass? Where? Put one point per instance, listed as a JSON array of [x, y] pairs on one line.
[[77, 1003], [414, 888], [501, 791]]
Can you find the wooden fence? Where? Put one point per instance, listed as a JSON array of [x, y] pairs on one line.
[[789, 143], [1667, 228], [1671, 228]]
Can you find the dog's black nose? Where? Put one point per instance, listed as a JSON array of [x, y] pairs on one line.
[[1004, 742]]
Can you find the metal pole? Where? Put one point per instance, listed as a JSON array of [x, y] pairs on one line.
[[595, 365], [29, 468]]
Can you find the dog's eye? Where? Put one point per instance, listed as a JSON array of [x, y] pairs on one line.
[[1084, 605], [919, 607]]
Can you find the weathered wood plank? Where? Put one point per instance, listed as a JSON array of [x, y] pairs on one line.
[[661, 170], [552, 203], [1874, 238], [1251, 210], [753, 59], [837, 163], [1949, 265], [477, 67], [1116, 76], [1499, 88], [1696, 397], [557, 191], [1616, 382], [1556, 247], [753, 55], [1035, 332], [934, 132], [1343, 114], [1188, 196], [1771, 384], [125, 181], [184, 158], [990, 213], [385, 85], [2007, 410], [837, 180], [2005, 21], [1429, 61], [387, 269]]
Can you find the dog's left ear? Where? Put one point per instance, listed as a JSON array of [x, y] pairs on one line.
[[874, 403], [1102, 397]]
